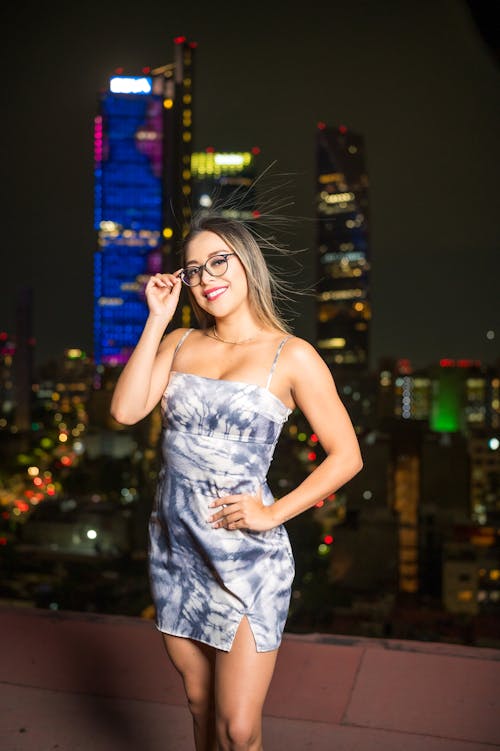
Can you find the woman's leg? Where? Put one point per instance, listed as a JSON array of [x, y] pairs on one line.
[[196, 663], [242, 678]]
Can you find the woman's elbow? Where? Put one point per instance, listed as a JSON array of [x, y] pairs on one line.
[[355, 463], [123, 416]]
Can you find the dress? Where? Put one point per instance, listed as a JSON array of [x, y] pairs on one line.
[[218, 438]]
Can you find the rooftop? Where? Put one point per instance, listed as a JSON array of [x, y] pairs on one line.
[[80, 681]]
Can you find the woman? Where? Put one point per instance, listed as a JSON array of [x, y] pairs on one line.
[[221, 567]]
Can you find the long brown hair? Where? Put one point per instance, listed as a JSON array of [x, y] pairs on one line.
[[263, 286]]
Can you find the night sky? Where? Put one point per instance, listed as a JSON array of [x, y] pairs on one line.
[[419, 80]]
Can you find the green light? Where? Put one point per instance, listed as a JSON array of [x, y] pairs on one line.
[[302, 437], [447, 402]]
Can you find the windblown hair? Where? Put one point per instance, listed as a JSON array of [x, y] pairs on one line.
[[263, 285]]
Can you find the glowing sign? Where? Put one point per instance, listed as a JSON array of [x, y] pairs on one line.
[[130, 85], [229, 159]]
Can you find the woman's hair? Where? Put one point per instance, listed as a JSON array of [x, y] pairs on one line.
[[263, 285]]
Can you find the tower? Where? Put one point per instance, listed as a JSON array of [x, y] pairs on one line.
[[342, 239], [142, 180], [224, 180]]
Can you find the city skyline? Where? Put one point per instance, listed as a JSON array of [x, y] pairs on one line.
[[420, 87]]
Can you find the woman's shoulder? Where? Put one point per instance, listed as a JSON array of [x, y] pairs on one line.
[[299, 348], [172, 339]]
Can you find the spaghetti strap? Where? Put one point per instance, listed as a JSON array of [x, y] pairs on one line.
[[180, 342], [273, 366]]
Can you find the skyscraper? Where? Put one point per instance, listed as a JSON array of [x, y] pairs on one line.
[[223, 180], [142, 154], [342, 240]]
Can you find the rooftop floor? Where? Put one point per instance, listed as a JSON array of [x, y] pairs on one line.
[[84, 682]]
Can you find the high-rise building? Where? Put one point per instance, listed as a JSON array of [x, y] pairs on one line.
[[142, 157], [224, 181], [342, 240]]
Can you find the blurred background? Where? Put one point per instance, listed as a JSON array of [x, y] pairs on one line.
[[365, 136]]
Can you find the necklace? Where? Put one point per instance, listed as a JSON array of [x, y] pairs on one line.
[[241, 341]]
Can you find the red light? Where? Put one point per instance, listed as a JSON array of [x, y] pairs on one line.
[[3, 541], [210, 149], [319, 504], [328, 539], [446, 362], [3, 336], [51, 491], [321, 125], [342, 129], [256, 214], [314, 438], [147, 69], [331, 497], [179, 40], [403, 365], [311, 456], [255, 150], [66, 460], [119, 71], [22, 505], [37, 481], [193, 45]]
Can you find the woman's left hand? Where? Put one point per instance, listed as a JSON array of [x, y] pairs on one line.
[[242, 511]]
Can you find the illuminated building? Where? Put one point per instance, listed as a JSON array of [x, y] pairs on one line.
[[223, 181], [406, 502], [342, 240], [452, 396], [484, 452], [7, 387], [471, 570], [23, 359], [142, 179]]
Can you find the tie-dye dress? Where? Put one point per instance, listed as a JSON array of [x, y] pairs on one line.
[[218, 439]]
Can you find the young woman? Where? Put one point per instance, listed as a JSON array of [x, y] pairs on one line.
[[221, 567]]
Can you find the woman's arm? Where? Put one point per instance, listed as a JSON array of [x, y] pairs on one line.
[[145, 376], [314, 392]]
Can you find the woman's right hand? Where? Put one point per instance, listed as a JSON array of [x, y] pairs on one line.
[[162, 294]]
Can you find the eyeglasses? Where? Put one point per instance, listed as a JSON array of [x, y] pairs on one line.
[[215, 266]]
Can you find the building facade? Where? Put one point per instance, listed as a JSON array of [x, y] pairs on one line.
[[342, 240], [223, 181], [142, 179]]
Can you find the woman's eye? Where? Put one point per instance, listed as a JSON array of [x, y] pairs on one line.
[[190, 273], [218, 261]]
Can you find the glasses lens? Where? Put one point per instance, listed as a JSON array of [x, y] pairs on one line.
[[191, 276], [217, 265]]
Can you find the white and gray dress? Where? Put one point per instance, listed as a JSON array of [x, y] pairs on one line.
[[218, 439]]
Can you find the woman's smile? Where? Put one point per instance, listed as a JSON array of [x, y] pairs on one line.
[[214, 293]]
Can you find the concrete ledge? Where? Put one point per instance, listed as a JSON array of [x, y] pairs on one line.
[[72, 681]]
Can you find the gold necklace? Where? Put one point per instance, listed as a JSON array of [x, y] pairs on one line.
[[241, 341]]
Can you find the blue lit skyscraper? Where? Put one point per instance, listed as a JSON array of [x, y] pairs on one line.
[[142, 152], [342, 237]]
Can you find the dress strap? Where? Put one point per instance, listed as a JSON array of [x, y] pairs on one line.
[[273, 366], [181, 341]]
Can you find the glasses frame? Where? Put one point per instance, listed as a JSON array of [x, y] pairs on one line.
[[203, 267]]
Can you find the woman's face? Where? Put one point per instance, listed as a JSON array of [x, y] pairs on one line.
[[225, 292]]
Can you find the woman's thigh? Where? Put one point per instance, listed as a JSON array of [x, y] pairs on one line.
[[196, 664], [242, 678]]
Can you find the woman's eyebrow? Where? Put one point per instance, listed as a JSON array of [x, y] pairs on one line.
[[210, 255]]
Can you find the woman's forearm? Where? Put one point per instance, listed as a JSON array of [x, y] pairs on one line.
[[333, 472], [131, 398]]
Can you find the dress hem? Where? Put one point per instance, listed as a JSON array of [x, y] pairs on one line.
[[209, 644]]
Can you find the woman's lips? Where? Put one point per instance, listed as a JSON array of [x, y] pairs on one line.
[[213, 294]]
